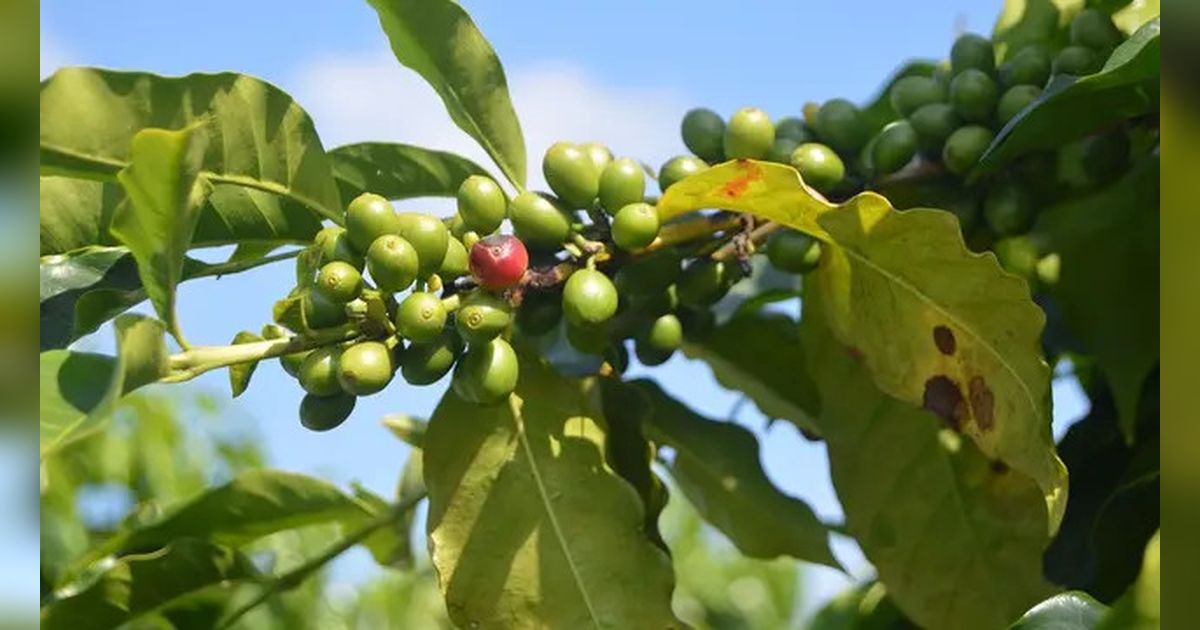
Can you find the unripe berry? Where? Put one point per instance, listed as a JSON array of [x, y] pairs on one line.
[[421, 317], [572, 174], [703, 132], [621, 183], [635, 226], [368, 217], [322, 413], [820, 167], [749, 134], [678, 168], [970, 51], [428, 236], [487, 373], [340, 282], [481, 204], [539, 221], [365, 368], [499, 262], [482, 317], [589, 298]]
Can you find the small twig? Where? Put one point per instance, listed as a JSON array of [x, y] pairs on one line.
[[189, 364], [756, 237]]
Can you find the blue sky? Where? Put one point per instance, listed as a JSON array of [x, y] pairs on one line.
[[618, 71]]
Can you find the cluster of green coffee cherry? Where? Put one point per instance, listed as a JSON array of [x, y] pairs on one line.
[[946, 121], [421, 296]]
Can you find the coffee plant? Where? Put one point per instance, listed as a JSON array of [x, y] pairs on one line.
[[985, 218]]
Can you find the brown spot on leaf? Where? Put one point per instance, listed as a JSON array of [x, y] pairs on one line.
[[856, 353], [999, 467], [982, 403], [943, 338], [738, 186], [943, 398]]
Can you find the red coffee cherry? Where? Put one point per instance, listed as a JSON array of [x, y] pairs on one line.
[[498, 262]]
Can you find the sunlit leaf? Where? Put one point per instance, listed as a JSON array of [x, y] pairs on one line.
[[528, 526], [936, 325], [438, 40], [1073, 610], [239, 375], [956, 537], [163, 203], [259, 137]]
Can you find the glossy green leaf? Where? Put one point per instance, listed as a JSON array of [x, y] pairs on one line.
[[408, 428], [1140, 607], [83, 289], [399, 171], [438, 40], [252, 505], [240, 374], [77, 213], [156, 223], [718, 468], [1070, 108], [391, 546], [956, 537], [259, 137], [140, 584], [1073, 610], [1108, 281], [759, 355], [1133, 15], [935, 324], [79, 390], [528, 525]]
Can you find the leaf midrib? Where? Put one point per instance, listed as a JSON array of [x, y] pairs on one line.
[[527, 451], [213, 176]]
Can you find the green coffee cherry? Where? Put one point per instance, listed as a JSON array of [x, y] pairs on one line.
[[427, 363], [934, 123], [664, 333], [792, 128], [572, 175], [650, 356], [911, 93], [840, 125], [793, 252], [393, 263], [894, 147], [1017, 255], [588, 339], [481, 204], [320, 312], [1094, 29], [749, 134], [599, 154], [649, 274], [456, 262], [635, 226], [1009, 209], [1029, 66], [429, 237], [1077, 60], [539, 221], [318, 372], [365, 368], [322, 413], [482, 317], [589, 298], [621, 183], [819, 166], [964, 147], [1104, 155], [781, 150], [678, 168], [421, 317], [487, 373], [973, 95], [972, 52], [334, 244], [703, 133], [539, 313], [705, 281], [368, 217], [1014, 100], [339, 282]]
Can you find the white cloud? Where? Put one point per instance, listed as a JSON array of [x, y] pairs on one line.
[[372, 97]]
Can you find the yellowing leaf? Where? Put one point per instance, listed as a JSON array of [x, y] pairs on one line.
[[529, 527], [936, 325]]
